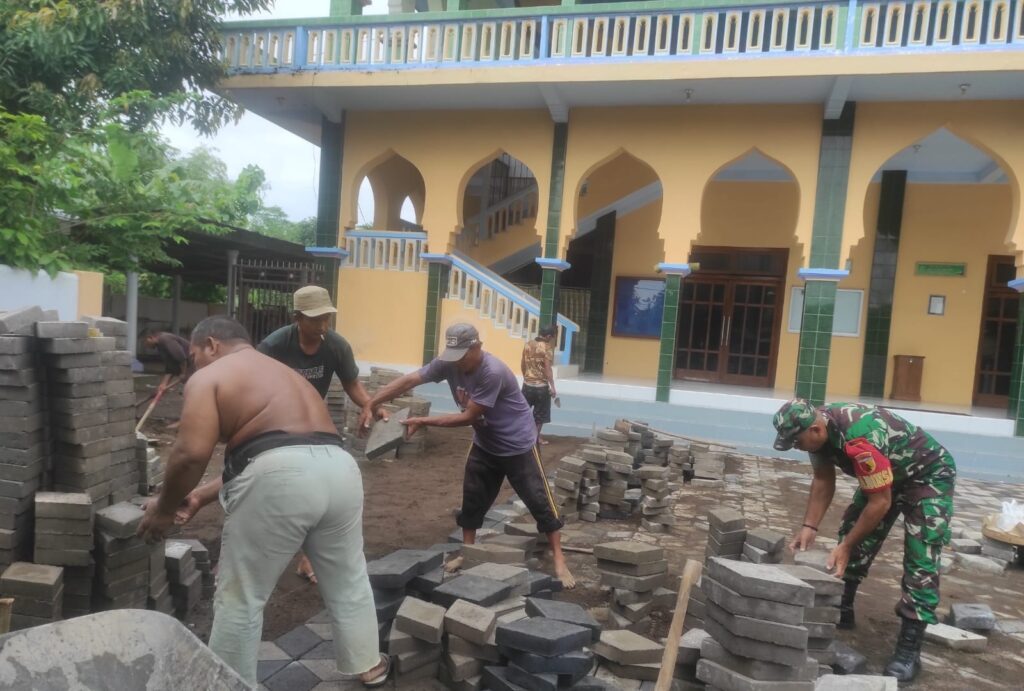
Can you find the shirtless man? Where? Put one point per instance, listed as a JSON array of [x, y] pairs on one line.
[[504, 436], [287, 484]]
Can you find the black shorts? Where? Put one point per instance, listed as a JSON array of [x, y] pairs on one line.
[[484, 475], [539, 398]]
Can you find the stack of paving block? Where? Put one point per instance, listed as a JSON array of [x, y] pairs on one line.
[[998, 550], [635, 571], [708, 468], [125, 473], [567, 482], [469, 644], [24, 439], [655, 506], [727, 533], [546, 649], [122, 559], [820, 619], [63, 529], [403, 571], [679, 462], [629, 655], [424, 623], [185, 584], [201, 555], [79, 410], [687, 657], [159, 597], [763, 546], [78, 587], [111, 328], [615, 477], [755, 615], [38, 592], [150, 466], [589, 478], [343, 414]]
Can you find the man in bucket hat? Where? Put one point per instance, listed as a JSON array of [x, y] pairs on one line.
[[504, 440], [900, 468]]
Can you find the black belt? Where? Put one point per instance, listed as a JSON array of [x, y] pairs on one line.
[[238, 459]]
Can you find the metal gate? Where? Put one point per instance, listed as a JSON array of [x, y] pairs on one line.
[[263, 292]]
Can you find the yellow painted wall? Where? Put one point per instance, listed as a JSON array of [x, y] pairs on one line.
[[90, 293], [446, 147], [637, 251], [611, 182], [382, 314], [392, 181], [497, 342], [946, 223]]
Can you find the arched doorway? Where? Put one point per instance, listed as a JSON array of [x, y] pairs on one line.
[[730, 311]]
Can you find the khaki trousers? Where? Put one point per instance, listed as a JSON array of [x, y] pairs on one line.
[[292, 498]]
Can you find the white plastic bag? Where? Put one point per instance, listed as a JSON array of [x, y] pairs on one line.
[[1012, 514]]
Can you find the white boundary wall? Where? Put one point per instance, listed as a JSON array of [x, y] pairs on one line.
[[22, 288]]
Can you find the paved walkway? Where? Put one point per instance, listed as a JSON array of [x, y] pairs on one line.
[[770, 493]]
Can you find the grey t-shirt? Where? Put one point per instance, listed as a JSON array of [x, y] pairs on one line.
[[334, 356], [507, 427]]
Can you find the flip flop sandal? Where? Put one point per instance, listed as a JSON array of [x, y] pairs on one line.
[[381, 678], [308, 577]]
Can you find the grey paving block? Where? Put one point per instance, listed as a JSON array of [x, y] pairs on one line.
[[572, 663], [542, 636], [421, 619], [46, 329], [21, 424], [689, 647], [971, 616], [293, 677], [21, 473], [475, 589], [62, 557], [761, 581], [628, 648], [30, 580], [980, 564], [470, 622], [754, 649], [822, 582], [568, 612], [496, 679], [409, 662], [386, 436], [814, 558], [955, 638], [427, 582], [647, 569], [789, 635], [63, 346], [847, 660], [298, 641], [399, 643], [714, 674], [637, 583], [629, 552], [14, 345], [726, 520], [20, 321], [393, 571], [120, 520], [761, 670], [531, 681]]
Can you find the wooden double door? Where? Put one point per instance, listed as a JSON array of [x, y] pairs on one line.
[[999, 315], [728, 328]]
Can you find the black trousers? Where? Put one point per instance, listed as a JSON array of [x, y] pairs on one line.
[[482, 481]]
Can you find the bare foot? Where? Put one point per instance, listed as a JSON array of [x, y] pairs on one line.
[[565, 576], [453, 565], [305, 569]]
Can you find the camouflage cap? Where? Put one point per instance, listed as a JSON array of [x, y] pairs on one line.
[[792, 418]]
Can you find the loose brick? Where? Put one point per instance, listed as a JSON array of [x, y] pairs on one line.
[[637, 583], [470, 622], [120, 520], [971, 616], [89, 396], [629, 552], [957, 639], [35, 581], [63, 557], [726, 520], [542, 636], [628, 648], [563, 611], [421, 619], [761, 581], [20, 321], [14, 345], [714, 674], [475, 589]]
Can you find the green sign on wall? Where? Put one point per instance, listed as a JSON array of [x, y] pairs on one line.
[[940, 269]]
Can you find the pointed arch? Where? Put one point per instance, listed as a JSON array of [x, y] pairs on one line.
[[393, 178]]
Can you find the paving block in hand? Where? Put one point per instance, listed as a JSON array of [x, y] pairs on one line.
[[120, 520]]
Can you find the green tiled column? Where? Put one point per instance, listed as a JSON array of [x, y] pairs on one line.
[[674, 275], [437, 286], [328, 202], [815, 340], [1016, 407], [826, 248], [549, 282], [667, 351]]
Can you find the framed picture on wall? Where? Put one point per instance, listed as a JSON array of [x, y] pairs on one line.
[[638, 306]]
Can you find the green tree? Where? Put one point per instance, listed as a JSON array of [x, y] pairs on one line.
[[66, 59]]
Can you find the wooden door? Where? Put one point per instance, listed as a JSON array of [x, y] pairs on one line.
[[999, 316], [728, 330]]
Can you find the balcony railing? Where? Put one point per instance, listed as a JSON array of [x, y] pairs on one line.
[[385, 250], [579, 35]]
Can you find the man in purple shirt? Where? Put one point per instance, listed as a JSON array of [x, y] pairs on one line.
[[504, 439]]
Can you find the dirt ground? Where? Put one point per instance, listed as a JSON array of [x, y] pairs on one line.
[[410, 503]]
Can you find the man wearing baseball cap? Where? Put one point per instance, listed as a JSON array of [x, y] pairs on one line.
[[900, 468], [504, 439], [310, 347]]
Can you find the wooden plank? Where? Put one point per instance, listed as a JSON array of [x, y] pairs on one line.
[[691, 572], [5, 614]]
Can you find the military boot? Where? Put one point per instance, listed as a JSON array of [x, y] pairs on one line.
[[847, 620], [906, 659]]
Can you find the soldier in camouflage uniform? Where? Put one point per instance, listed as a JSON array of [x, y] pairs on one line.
[[900, 469]]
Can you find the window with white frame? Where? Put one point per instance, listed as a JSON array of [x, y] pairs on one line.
[[845, 320]]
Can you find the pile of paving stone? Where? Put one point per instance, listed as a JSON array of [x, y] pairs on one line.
[[655, 505], [150, 466], [821, 618], [635, 572], [755, 618]]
